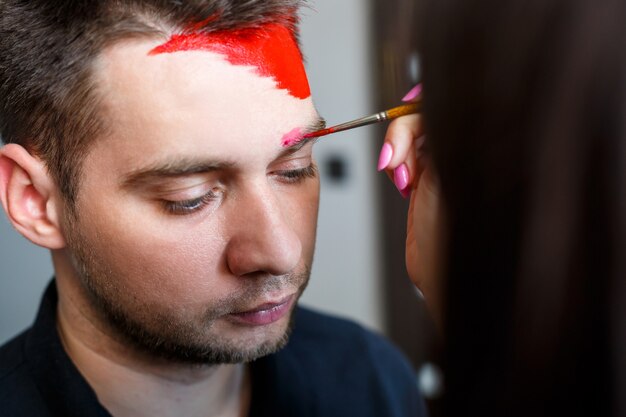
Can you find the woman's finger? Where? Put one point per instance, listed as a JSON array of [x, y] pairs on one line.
[[400, 137]]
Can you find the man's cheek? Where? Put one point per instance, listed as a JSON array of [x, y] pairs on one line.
[[180, 276], [307, 219]]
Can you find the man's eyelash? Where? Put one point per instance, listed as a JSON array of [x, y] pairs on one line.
[[299, 174], [197, 204], [188, 206]]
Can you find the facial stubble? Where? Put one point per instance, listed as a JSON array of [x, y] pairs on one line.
[[162, 335]]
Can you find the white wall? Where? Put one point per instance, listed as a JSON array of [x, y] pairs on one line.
[[336, 43], [344, 280]]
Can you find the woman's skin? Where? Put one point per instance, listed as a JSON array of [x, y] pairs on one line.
[[406, 161]]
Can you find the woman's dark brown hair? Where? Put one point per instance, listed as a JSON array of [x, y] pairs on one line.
[[525, 110]]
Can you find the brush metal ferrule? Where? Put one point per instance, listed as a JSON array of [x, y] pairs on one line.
[[375, 118]]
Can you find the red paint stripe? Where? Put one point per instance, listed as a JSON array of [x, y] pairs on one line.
[[271, 48]]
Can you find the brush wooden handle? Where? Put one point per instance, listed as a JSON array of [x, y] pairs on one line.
[[403, 110], [390, 114]]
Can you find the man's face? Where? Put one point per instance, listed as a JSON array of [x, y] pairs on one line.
[[196, 226]]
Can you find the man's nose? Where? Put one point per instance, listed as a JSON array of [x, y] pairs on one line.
[[262, 237]]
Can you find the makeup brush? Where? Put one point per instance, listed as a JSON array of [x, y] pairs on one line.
[[390, 114]]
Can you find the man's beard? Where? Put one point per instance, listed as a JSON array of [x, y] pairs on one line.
[[157, 334]]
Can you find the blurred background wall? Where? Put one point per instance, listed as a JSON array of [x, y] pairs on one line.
[[25, 269], [337, 46]]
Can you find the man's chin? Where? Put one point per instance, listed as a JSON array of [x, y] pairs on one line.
[[250, 340], [242, 349], [232, 341]]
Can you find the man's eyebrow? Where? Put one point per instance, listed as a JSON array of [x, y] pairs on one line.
[[318, 124], [183, 167], [171, 169]]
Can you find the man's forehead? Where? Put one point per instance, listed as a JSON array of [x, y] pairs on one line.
[[199, 103], [271, 49]]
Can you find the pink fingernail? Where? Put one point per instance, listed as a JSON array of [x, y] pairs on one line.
[[401, 177], [412, 95], [406, 193], [385, 156]]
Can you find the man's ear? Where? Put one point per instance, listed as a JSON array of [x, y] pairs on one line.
[[29, 197]]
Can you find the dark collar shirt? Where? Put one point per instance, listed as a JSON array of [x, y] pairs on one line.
[[330, 367]]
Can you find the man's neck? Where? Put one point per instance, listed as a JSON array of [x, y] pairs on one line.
[[130, 385]]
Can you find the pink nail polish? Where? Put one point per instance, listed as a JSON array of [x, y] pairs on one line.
[[401, 177], [412, 95], [385, 156], [406, 193]]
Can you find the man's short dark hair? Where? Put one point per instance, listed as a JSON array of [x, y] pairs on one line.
[[49, 102]]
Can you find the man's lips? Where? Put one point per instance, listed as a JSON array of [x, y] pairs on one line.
[[265, 313]]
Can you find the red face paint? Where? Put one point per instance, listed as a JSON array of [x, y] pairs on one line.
[[271, 49]]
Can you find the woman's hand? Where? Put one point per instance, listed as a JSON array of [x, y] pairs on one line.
[[407, 163]]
